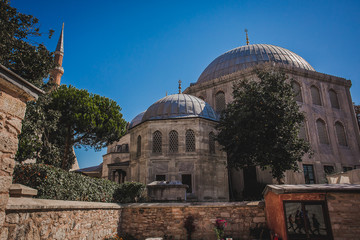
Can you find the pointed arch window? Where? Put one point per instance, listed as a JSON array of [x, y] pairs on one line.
[[334, 99], [138, 146], [340, 133], [315, 95], [190, 141], [322, 131], [157, 142], [211, 142], [297, 91], [220, 101], [173, 141]]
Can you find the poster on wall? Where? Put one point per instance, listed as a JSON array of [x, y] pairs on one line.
[[306, 220]]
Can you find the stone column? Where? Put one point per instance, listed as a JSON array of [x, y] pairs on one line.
[[14, 93]]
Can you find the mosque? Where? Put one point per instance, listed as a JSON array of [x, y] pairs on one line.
[[174, 139]]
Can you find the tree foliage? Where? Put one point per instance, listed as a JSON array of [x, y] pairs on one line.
[[18, 49], [261, 126], [65, 118]]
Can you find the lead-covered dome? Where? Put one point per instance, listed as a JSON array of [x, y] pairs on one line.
[[179, 106], [247, 56]]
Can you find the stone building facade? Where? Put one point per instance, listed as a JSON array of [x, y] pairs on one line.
[[330, 126], [172, 141]]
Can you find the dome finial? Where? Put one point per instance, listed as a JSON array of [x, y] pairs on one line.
[[179, 86], [247, 38]]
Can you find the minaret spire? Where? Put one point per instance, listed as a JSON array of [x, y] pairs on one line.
[[60, 44], [179, 86], [247, 38], [58, 71]]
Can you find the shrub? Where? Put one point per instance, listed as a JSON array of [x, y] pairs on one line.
[[55, 183], [129, 192]]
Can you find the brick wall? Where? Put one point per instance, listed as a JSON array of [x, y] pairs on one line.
[[158, 219], [344, 212]]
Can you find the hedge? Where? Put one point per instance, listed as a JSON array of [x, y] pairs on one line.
[[56, 183]]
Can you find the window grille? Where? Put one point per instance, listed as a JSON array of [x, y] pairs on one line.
[[345, 169], [138, 146], [211, 142], [297, 91], [220, 101], [160, 178], [340, 132], [322, 132], [329, 169], [315, 95], [157, 142], [309, 174], [118, 148], [173, 142], [334, 99], [190, 141]]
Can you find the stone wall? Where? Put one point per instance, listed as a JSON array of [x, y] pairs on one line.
[[12, 111], [51, 219], [156, 220], [344, 209]]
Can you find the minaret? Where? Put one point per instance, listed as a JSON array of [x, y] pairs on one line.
[[58, 71]]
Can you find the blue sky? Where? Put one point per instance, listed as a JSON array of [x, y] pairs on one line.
[[135, 51]]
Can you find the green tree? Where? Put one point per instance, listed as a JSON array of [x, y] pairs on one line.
[[19, 50], [86, 119], [261, 126], [66, 118]]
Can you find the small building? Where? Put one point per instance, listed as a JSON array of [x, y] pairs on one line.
[[317, 211]]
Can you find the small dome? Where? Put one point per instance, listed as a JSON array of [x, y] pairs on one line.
[[179, 106], [247, 56], [136, 120]]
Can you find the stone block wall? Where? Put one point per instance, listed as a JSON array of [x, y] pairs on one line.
[[12, 111], [156, 220], [37, 219], [344, 212], [52, 219]]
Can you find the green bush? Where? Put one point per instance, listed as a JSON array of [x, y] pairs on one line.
[[129, 192], [55, 183]]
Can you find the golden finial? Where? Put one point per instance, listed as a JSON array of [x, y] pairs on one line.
[[166, 93], [247, 38], [179, 86]]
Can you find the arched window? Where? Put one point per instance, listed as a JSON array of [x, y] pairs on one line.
[[211, 142], [322, 131], [157, 142], [173, 142], [340, 132], [220, 101], [190, 140], [297, 91], [334, 99], [315, 95], [302, 131], [138, 146]]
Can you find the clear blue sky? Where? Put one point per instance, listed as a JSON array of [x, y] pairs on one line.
[[135, 51]]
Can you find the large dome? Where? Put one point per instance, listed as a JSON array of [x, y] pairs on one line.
[[178, 106], [246, 56]]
